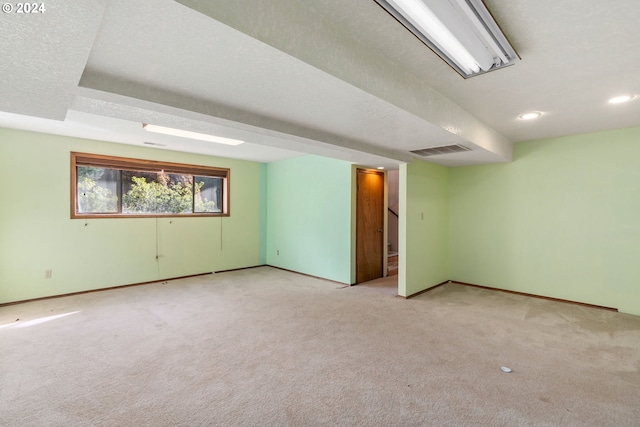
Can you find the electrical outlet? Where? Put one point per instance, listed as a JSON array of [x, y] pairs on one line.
[[47, 274]]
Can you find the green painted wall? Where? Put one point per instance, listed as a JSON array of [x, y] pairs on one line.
[[36, 232], [423, 227], [262, 258], [562, 220], [309, 216]]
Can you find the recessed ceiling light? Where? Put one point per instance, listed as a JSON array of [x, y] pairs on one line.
[[530, 116], [381, 167], [620, 99]]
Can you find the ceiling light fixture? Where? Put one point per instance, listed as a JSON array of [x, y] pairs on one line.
[[191, 135], [462, 32], [530, 116], [620, 99], [380, 167]]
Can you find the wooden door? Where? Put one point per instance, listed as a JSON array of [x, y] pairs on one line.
[[369, 225]]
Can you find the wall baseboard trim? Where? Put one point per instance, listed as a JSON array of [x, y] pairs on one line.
[[584, 304], [239, 269], [310, 275], [4, 304], [425, 290], [566, 301], [159, 281]]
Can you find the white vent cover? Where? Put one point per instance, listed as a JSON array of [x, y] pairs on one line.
[[435, 151]]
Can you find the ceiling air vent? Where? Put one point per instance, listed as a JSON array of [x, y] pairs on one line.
[[435, 151]]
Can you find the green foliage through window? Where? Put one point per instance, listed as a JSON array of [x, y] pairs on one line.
[[96, 191], [115, 191]]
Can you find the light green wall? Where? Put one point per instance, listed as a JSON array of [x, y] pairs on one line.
[[423, 227], [262, 258], [309, 216], [562, 220], [36, 232]]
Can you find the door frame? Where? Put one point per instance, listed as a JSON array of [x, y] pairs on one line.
[[354, 203]]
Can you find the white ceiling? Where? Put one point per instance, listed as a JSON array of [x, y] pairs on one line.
[[333, 78]]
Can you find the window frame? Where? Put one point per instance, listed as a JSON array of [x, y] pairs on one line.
[[142, 165]]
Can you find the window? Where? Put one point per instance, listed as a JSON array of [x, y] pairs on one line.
[[106, 187]]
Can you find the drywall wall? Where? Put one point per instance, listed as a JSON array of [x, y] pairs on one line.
[[562, 220], [423, 227], [37, 234], [309, 216], [262, 258]]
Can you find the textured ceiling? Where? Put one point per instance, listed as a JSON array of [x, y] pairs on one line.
[[575, 56], [334, 78]]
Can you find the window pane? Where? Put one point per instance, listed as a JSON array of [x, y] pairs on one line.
[[97, 190], [208, 197], [156, 193], [108, 187]]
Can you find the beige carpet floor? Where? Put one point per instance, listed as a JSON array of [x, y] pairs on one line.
[[265, 347]]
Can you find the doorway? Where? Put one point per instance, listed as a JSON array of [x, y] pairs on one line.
[[369, 225], [393, 218]]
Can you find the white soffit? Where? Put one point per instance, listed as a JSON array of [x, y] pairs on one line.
[[237, 78], [260, 140], [43, 55], [109, 129], [337, 50], [162, 61]]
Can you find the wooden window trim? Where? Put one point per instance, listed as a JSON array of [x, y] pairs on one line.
[[142, 165]]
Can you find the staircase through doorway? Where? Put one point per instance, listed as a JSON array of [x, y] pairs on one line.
[[392, 263]]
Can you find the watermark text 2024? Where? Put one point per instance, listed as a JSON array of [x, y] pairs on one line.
[[23, 8]]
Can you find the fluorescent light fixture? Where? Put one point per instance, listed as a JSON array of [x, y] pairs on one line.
[[462, 32], [155, 144], [530, 116], [620, 99], [191, 135]]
